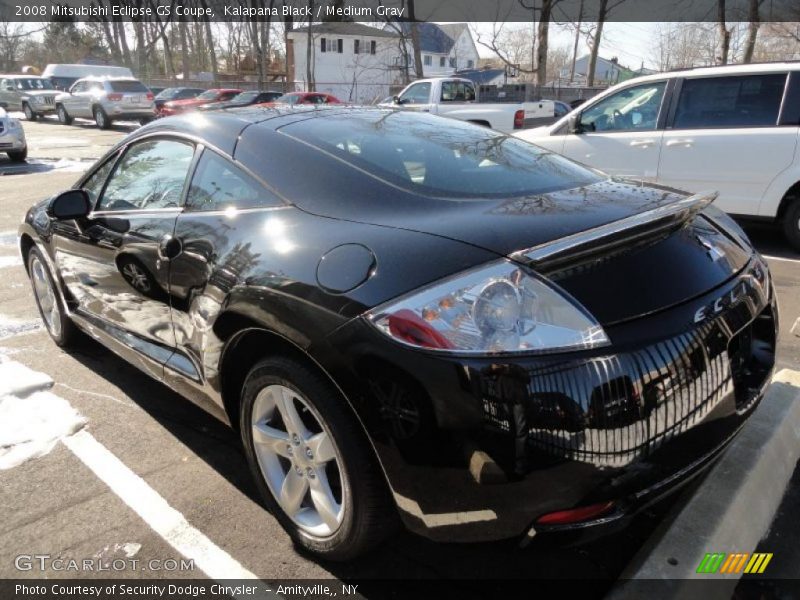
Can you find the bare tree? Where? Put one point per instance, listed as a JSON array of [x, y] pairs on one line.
[[724, 34], [753, 24]]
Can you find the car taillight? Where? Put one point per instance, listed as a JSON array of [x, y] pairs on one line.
[[519, 119], [114, 97], [150, 95], [575, 515]]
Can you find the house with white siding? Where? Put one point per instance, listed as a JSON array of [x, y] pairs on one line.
[[360, 64]]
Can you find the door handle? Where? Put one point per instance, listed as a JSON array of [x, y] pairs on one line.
[[686, 143], [169, 247], [642, 143]]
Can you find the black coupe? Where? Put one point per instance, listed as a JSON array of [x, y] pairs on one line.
[[412, 316]]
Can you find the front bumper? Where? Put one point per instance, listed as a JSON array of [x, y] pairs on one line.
[[480, 448], [11, 140]]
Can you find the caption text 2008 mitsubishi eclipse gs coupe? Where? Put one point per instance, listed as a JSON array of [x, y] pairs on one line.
[[410, 316]]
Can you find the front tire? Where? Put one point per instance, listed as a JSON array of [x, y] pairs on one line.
[[791, 224], [29, 114], [312, 462], [101, 118], [18, 155], [48, 300], [63, 115]]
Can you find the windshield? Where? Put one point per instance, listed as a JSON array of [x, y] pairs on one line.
[[425, 154], [168, 93], [209, 95], [32, 84], [244, 97], [288, 99]]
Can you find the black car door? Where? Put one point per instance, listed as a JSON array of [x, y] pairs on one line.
[[116, 263], [217, 253]]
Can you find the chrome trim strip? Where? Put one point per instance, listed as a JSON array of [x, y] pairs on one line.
[[680, 211]]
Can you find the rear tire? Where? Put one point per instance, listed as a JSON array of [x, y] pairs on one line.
[[63, 115], [348, 471], [791, 224], [101, 118], [48, 301], [18, 155], [29, 114]]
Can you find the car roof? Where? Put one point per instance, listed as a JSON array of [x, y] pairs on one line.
[[751, 68], [222, 129]]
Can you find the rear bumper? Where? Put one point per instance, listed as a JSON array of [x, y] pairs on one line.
[[126, 112], [479, 449]]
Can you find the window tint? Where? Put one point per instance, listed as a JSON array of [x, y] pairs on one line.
[[218, 184], [418, 93], [128, 86], [151, 175], [414, 151], [632, 109], [94, 185], [743, 101]]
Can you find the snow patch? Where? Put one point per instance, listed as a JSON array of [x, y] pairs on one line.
[[10, 261], [31, 426]]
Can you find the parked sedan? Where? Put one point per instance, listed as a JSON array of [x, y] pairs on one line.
[[12, 137], [176, 93], [243, 99], [444, 323], [176, 107], [106, 100]]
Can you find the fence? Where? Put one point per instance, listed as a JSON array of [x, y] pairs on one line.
[[272, 86]]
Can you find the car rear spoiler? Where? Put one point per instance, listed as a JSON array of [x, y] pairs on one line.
[[630, 230]]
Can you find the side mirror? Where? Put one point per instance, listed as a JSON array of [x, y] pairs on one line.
[[9, 88], [396, 99], [72, 204], [575, 124]]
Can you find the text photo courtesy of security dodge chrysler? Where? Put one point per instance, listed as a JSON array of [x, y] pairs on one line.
[[412, 319]]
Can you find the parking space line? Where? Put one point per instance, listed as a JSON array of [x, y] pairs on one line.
[[155, 510]]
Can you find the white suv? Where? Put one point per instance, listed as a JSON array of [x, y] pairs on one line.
[[732, 129], [106, 100]]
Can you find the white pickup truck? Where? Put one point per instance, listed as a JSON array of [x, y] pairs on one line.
[[457, 98]]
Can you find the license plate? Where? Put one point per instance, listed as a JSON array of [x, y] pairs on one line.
[[134, 99]]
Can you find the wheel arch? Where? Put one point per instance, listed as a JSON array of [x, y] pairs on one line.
[[792, 194]]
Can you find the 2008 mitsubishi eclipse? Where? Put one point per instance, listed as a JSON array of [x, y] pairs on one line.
[[408, 315]]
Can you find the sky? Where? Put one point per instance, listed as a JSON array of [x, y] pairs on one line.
[[631, 42]]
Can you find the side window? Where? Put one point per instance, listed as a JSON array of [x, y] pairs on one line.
[[419, 93], [457, 91], [94, 185], [740, 101], [96, 86], [632, 109], [150, 175], [78, 87], [218, 184]]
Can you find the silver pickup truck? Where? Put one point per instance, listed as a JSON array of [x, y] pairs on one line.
[[457, 98]]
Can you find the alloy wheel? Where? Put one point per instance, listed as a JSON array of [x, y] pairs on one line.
[[46, 297], [136, 277], [298, 460]]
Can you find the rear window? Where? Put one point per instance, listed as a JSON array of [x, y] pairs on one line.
[[128, 86], [439, 157]]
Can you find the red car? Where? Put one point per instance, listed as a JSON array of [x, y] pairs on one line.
[[176, 107], [304, 98]]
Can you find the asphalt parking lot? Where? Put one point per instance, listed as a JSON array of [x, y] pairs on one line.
[[56, 505]]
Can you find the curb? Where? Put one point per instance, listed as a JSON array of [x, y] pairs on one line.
[[18, 380], [733, 507]]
